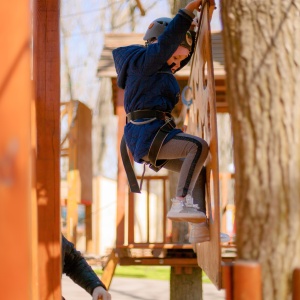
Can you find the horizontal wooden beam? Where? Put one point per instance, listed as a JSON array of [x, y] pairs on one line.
[[156, 246], [182, 262]]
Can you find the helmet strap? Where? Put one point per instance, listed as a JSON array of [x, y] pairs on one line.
[[172, 65]]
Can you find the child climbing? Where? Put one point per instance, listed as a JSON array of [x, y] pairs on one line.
[[146, 73]]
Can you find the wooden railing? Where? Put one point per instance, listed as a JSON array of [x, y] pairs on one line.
[[141, 219]]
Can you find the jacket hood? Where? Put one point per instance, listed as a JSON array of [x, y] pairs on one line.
[[122, 57]]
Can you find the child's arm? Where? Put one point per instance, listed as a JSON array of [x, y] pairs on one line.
[[194, 5], [158, 53]]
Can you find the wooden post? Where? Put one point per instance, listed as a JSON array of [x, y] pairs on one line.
[[247, 281], [18, 229], [74, 193], [186, 283], [296, 284], [122, 184], [80, 160], [109, 269], [242, 281], [224, 180], [46, 74], [89, 244], [96, 219], [227, 284]]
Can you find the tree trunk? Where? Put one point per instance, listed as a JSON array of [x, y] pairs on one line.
[[186, 285], [262, 55]]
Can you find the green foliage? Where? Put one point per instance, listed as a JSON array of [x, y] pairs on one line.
[[146, 272]]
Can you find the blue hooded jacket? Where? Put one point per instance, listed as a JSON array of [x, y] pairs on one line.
[[149, 82]]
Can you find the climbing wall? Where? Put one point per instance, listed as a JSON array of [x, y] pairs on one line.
[[201, 121]]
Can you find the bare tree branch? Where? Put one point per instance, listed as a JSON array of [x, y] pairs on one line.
[[139, 5]]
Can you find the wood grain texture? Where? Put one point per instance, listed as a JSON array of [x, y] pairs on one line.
[[18, 228], [263, 64], [202, 122], [46, 74]]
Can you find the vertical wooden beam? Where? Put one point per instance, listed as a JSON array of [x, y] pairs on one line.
[[18, 230], [74, 193], [122, 185], [148, 210], [224, 182], [47, 92], [80, 160], [296, 284], [227, 283], [164, 211], [130, 218], [89, 244], [242, 280], [247, 280], [96, 208]]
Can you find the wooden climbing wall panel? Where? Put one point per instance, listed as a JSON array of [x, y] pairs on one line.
[[202, 122]]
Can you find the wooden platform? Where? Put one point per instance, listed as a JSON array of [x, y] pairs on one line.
[[167, 254], [180, 256]]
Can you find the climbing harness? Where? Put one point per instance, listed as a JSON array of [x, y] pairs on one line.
[[154, 163]]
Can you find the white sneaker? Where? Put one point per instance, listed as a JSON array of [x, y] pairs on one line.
[[185, 211], [199, 233]]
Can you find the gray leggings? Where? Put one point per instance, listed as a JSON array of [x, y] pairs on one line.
[[186, 155]]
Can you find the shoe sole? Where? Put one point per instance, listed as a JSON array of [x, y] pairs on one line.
[[187, 218], [199, 240]]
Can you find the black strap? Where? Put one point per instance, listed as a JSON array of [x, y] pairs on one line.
[[133, 183], [147, 114], [157, 144], [155, 147]]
